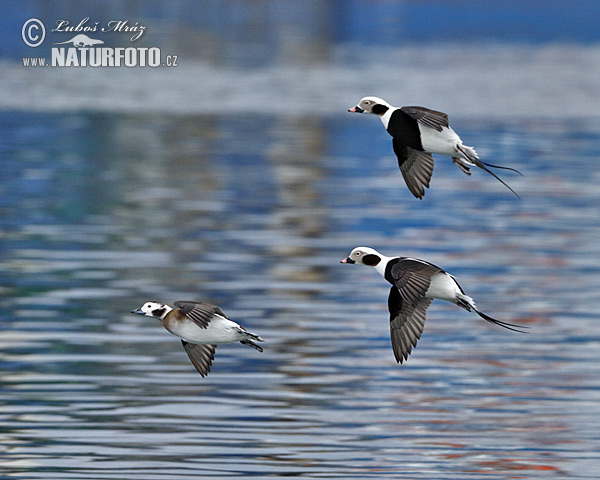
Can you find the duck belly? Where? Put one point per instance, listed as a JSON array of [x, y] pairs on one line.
[[442, 143], [219, 330], [443, 287]]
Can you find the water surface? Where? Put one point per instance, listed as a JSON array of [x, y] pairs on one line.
[[101, 212]]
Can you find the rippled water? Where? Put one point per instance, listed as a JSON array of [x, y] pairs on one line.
[[100, 213]]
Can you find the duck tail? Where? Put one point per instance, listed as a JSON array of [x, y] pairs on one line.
[[469, 152], [466, 302], [471, 155], [250, 343], [248, 340], [508, 326]]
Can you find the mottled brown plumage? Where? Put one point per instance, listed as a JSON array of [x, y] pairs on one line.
[[201, 327]]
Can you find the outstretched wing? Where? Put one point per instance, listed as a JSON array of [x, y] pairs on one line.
[[201, 356], [412, 278], [429, 118], [199, 313], [406, 323], [416, 167]]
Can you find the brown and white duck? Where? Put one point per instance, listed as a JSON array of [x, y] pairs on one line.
[[201, 327]]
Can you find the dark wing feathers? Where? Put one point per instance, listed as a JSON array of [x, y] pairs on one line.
[[407, 303], [412, 278], [199, 313], [429, 118], [201, 356], [406, 323], [416, 167]]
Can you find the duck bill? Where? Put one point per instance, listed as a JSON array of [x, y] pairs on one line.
[[347, 260], [138, 311], [356, 109]]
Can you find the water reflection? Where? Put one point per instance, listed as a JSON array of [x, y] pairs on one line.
[[101, 212]]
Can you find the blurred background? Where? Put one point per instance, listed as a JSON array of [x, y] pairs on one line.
[[239, 178]]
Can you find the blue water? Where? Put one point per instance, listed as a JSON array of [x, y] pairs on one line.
[[102, 212], [239, 178]]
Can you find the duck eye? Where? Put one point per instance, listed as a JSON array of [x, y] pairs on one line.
[[357, 254]]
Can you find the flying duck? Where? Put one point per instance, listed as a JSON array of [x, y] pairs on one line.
[[417, 132], [415, 284], [201, 327]]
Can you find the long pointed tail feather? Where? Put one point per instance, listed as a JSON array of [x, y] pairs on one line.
[[468, 304], [508, 326], [471, 155], [502, 168], [481, 165]]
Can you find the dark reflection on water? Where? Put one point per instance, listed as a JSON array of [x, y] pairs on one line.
[[101, 212]]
